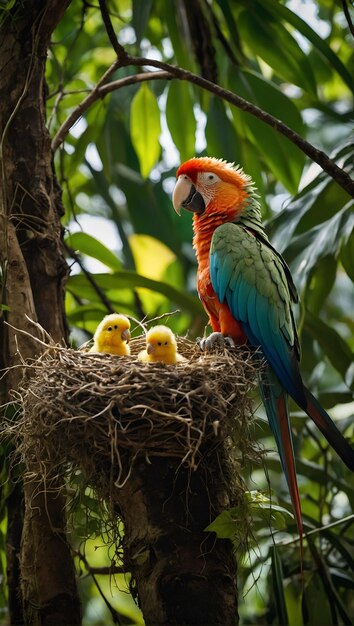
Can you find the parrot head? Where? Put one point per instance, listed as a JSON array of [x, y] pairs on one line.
[[206, 186], [113, 329]]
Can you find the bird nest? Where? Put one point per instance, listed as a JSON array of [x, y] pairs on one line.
[[99, 413]]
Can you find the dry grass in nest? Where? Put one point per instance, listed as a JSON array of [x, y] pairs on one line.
[[100, 413]]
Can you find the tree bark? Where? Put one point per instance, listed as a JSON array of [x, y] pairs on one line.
[[180, 573], [33, 273]]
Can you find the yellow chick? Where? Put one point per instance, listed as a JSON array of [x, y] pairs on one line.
[[161, 347], [112, 335]]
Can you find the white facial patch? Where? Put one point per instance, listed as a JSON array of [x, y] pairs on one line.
[[205, 184]]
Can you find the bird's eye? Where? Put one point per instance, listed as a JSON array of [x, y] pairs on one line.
[[109, 328], [115, 327], [159, 343], [166, 343], [208, 178]]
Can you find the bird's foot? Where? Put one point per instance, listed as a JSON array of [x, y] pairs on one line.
[[215, 340]]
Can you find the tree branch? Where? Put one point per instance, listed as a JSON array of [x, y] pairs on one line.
[[329, 166], [169, 71], [100, 91]]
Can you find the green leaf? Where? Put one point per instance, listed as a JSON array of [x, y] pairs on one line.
[[231, 25], [253, 167], [88, 136], [125, 280], [316, 602], [347, 256], [318, 42], [145, 128], [176, 36], [293, 599], [326, 239], [284, 159], [271, 41], [278, 588], [141, 12], [335, 348], [283, 226], [220, 134], [321, 283], [255, 509], [86, 244], [179, 106], [224, 526]]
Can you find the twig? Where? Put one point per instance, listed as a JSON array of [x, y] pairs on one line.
[[160, 317], [115, 615], [347, 16], [117, 47], [27, 334], [90, 279], [349, 519], [105, 571]]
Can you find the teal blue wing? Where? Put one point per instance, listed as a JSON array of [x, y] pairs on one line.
[[249, 276]]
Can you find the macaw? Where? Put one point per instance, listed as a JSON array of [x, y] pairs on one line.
[[161, 347], [112, 335], [247, 291]]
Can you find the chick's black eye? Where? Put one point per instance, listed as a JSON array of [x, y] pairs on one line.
[[115, 328], [165, 343], [109, 328], [159, 343]]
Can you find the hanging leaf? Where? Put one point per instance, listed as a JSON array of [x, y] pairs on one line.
[[347, 256], [278, 586], [273, 43], [141, 13], [284, 159], [180, 118], [145, 128], [129, 280], [220, 134], [93, 248], [335, 348], [321, 283], [326, 239], [319, 43]]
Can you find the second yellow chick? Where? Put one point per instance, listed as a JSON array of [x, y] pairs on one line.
[[112, 335], [161, 347]]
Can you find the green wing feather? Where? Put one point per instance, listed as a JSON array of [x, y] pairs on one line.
[[248, 274]]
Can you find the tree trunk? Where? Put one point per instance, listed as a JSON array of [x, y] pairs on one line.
[[180, 573], [33, 272]]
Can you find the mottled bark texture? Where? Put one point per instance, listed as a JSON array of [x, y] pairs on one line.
[[180, 573], [33, 272]]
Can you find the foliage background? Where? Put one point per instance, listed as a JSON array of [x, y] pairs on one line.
[[129, 252]]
